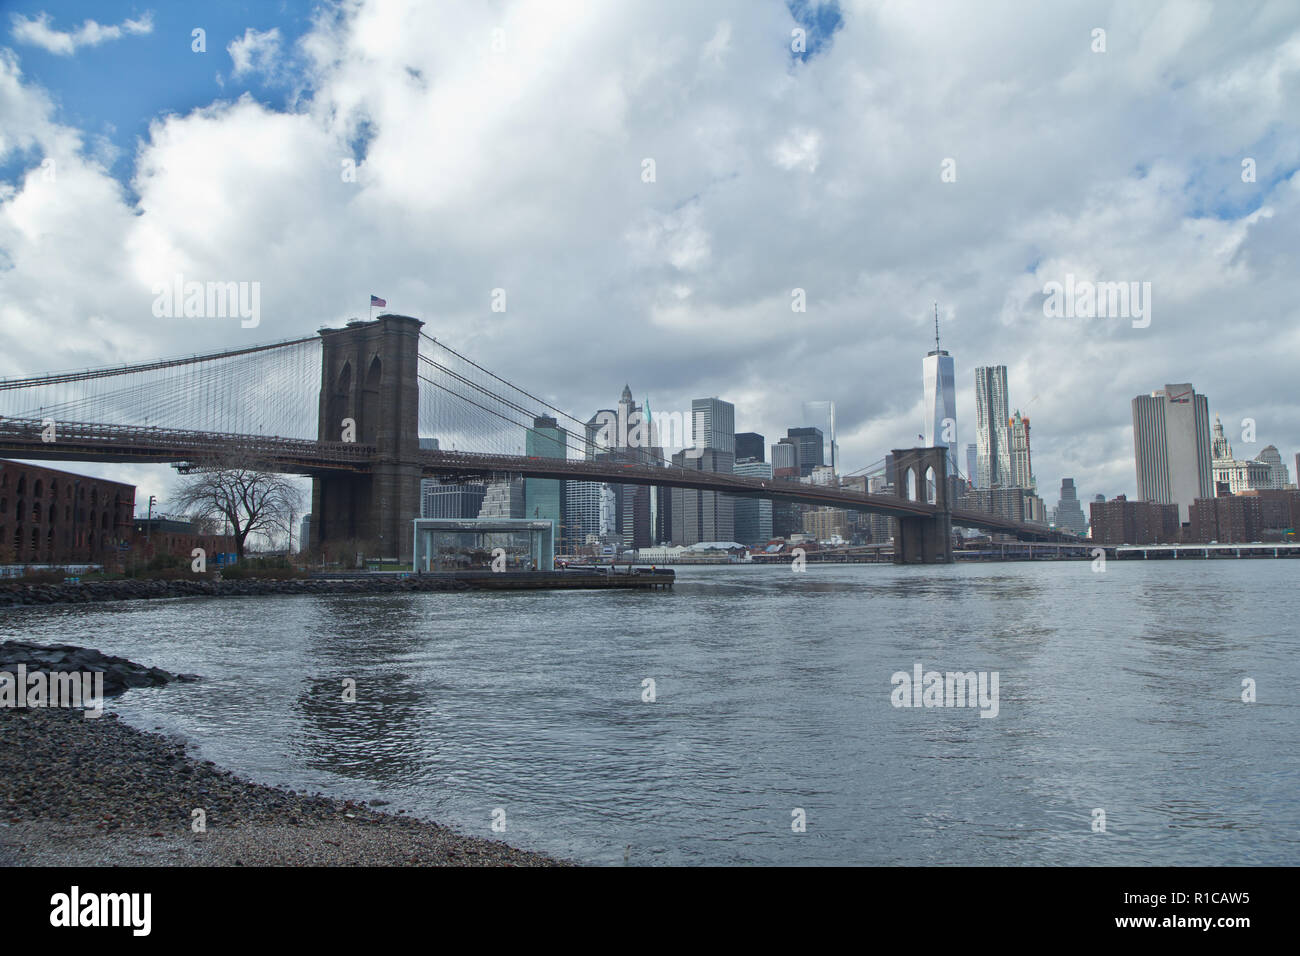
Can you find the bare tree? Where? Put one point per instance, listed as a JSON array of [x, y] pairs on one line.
[[209, 525], [245, 500]]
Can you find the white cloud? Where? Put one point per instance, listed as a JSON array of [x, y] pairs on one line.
[[521, 167], [256, 52], [38, 32]]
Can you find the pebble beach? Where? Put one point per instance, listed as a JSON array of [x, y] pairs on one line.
[[99, 792]]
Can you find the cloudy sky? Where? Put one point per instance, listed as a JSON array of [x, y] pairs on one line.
[[912, 152]]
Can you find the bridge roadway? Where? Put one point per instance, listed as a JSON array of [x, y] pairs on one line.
[[74, 441]]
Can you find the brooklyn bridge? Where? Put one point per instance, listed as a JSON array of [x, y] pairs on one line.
[[346, 407]]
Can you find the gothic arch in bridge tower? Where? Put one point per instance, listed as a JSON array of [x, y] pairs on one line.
[[926, 537], [370, 399], [369, 374]]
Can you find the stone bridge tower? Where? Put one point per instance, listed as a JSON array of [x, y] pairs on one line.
[[369, 374], [921, 474]]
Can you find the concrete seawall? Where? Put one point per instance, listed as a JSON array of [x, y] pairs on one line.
[[16, 594]]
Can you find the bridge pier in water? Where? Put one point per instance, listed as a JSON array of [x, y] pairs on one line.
[[369, 374], [923, 539]]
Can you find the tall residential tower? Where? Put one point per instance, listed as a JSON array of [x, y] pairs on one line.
[[992, 437]]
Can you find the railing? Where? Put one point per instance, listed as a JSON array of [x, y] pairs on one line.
[[178, 443]]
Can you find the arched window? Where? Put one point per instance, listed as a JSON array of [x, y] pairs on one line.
[[22, 484], [53, 513], [36, 511], [931, 491], [911, 484], [37, 489], [345, 379], [373, 375]]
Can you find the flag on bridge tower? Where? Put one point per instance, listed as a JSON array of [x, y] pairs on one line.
[[376, 302]]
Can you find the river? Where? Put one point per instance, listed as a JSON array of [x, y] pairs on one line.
[[772, 736]]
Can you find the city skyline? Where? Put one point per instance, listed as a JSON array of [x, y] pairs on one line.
[[699, 265]]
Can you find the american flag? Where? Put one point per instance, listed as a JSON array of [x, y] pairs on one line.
[[375, 301]]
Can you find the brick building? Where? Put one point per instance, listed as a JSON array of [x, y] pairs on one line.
[[1120, 521], [56, 517], [177, 536], [1256, 515]]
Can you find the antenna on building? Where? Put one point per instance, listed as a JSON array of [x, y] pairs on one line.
[[936, 326]]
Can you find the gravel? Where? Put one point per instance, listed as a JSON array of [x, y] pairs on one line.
[[78, 792]]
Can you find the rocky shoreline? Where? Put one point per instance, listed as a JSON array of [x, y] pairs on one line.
[[119, 673], [132, 589], [78, 792]]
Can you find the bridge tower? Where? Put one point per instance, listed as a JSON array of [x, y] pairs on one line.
[[924, 539], [369, 374]]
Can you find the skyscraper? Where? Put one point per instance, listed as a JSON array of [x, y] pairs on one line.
[[504, 499], [940, 392], [785, 458], [451, 500], [714, 424], [544, 497], [706, 515], [749, 445], [753, 516], [1171, 447], [585, 507], [1278, 477], [1069, 515], [811, 445], [821, 414], [1021, 468], [992, 442], [703, 515], [972, 456]]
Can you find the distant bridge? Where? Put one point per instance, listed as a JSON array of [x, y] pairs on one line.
[[388, 383]]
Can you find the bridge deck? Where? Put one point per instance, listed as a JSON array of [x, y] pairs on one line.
[[75, 441]]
